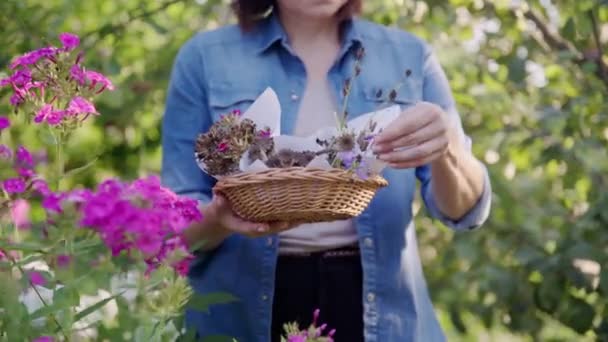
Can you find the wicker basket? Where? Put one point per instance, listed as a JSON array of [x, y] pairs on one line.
[[299, 194]]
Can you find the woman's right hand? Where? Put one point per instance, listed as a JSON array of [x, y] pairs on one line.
[[220, 221]]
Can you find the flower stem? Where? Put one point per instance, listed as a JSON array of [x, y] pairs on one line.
[[46, 305]]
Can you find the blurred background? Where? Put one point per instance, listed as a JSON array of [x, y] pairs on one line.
[[530, 78]]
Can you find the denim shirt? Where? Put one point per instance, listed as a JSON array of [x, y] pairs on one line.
[[218, 71]]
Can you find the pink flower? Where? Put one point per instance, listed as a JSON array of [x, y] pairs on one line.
[[41, 187], [43, 113], [55, 117], [223, 147], [44, 339], [20, 77], [20, 214], [97, 78], [36, 278], [78, 74], [70, 41], [63, 260], [34, 56], [265, 133], [24, 157], [236, 112], [5, 152], [16, 99], [4, 123], [297, 338], [14, 185], [25, 173], [52, 203], [79, 105]]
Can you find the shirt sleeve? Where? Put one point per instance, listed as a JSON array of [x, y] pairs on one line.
[[436, 90], [186, 115]]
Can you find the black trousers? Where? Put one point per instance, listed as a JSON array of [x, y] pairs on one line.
[[330, 281]]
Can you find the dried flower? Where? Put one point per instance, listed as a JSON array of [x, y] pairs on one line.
[[345, 142], [289, 158], [221, 148]]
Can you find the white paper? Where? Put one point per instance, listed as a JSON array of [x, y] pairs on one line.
[[266, 112]]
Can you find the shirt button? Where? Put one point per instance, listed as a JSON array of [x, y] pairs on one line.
[[264, 297], [294, 97], [371, 297], [368, 242], [269, 242]]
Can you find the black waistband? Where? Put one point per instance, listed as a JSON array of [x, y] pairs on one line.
[[341, 252]]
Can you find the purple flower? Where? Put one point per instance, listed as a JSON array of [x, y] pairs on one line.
[[97, 78], [78, 74], [16, 99], [347, 158], [36, 278], [14, 185], [265, 133], [43, 113], [34, 56], [4, 123], [69, 40], [52, 203], [5, 152], [79, 105], [63, 260], [21, 77], [24, 157], [297, 338], [44, 339], [25, 173], [41, 187]]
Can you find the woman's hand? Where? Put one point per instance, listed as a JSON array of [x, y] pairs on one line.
[[422, 134], [221, 214], [219, 222]]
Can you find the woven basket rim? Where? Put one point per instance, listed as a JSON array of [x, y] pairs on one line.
[[333, 175]]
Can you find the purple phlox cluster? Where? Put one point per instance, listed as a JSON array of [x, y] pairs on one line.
[[55, 83], [140, 216]]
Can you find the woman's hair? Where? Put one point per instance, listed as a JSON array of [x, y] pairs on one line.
[[249, 12]]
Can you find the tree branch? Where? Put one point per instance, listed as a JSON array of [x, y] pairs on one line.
[[598, 42], [558, 43], [132, 15]]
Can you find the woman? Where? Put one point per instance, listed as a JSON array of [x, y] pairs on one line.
[[364, 274]]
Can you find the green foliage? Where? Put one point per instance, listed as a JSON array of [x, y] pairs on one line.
[[530, 82]]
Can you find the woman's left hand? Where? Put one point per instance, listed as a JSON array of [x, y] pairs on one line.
[[420, 135]]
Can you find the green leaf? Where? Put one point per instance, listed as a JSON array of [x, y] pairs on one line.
[[80, 169], [569, 29], [203, 302], [218, 338], [24, 246]]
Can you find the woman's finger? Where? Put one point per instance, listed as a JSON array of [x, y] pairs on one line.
[[418, 152], [424, 134], [410, 121]]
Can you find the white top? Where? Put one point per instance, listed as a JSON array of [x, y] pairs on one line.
[[316, 111]]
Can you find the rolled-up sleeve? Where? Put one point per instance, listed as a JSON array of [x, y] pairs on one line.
[[436, 90], [185, 117]]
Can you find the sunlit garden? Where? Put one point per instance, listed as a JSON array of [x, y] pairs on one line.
[[91, 245]]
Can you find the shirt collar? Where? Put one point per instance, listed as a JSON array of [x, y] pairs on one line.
[[270, 31]]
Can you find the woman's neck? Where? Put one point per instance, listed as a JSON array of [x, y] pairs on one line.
[[309, 32]]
